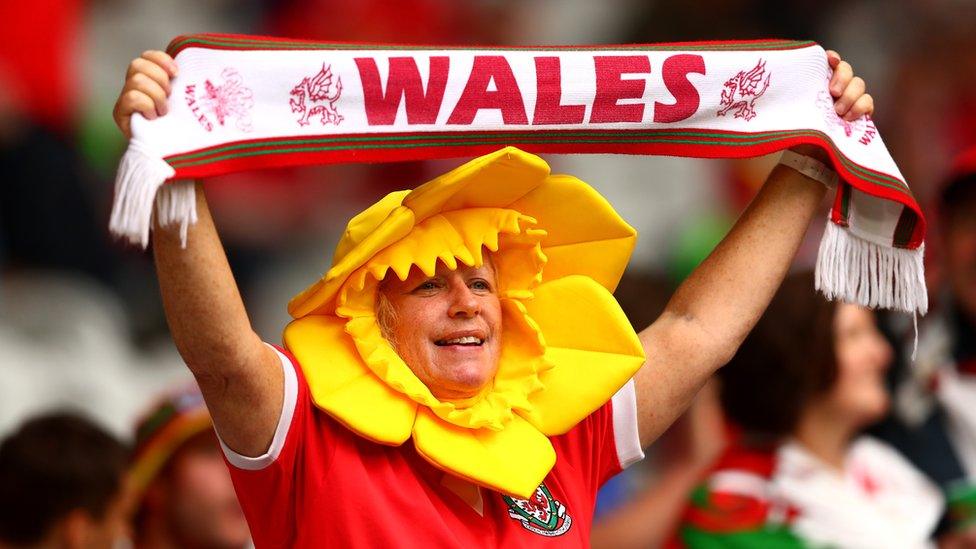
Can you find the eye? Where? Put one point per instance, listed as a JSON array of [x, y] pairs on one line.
[[480, 285], [428, 285]]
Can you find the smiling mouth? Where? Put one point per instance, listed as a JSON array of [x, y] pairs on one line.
[[466, 341]]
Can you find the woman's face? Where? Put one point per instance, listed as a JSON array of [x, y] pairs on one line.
[[201, 507], [447, 327], [863, 356]]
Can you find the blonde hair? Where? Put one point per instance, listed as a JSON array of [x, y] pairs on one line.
[[386, 316]]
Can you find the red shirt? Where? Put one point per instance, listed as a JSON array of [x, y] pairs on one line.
[[321, 485]]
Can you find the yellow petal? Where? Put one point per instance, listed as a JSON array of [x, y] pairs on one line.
[[320, 296], [521, 359], [586, 236], [342, 386], [571, 211], [513, 461], [381, 359], [490, 181], [603, 260], [592, 346], [366, 222], [516, 270]]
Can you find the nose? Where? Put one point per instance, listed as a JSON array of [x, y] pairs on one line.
[[464, 302], [883, 353]]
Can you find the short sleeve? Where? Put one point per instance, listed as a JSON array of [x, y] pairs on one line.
[[269, 485], [606, 442], [285, 419]]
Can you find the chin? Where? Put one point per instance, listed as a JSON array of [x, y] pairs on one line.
[[882, 408], [873, 410], [473, 380], [449, 376]]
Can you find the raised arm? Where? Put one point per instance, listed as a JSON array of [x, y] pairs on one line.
[[240, 377], [719, 303]]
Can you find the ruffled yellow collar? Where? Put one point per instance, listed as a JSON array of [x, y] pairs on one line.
[[558, 249]]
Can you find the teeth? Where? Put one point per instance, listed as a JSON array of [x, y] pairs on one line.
[[466, 340]]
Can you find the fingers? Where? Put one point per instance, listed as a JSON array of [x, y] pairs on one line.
[[833, 59], [853, 91], [843, 73], [147, 86], [129, 102], [863, 106], [162, 59], [851, 102], [150, 87], [154, 71]]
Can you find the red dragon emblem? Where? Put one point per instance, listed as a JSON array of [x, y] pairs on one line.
[[742, 90], [321, 95]]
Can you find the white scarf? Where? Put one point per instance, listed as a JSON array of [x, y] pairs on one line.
[[243, 103], [878, 500]]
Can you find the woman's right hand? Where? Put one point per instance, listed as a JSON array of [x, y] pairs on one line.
[[147, 85]]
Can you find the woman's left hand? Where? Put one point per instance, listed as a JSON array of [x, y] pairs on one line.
[[850, 100]]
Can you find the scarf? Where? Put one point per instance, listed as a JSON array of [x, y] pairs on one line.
[[243, 102]]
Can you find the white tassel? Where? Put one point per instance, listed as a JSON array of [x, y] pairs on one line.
[[176, 204], [140, 175], [855, 270]]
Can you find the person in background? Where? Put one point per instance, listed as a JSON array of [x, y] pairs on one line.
[[804, 384], [933, 419], [62, 485], [683, 454], [183, 493], [640, 507]]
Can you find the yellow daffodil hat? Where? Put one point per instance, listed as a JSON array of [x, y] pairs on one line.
[[559, 250]]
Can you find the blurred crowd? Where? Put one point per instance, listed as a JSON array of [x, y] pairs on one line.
[[822, 407]]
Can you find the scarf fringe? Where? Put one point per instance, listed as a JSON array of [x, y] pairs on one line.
[[855, 270], [141, 174]]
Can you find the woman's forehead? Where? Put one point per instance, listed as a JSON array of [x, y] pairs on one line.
[[852, 315], [486, 270]]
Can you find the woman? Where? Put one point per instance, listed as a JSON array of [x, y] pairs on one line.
[[512, 382], [802, 387]]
